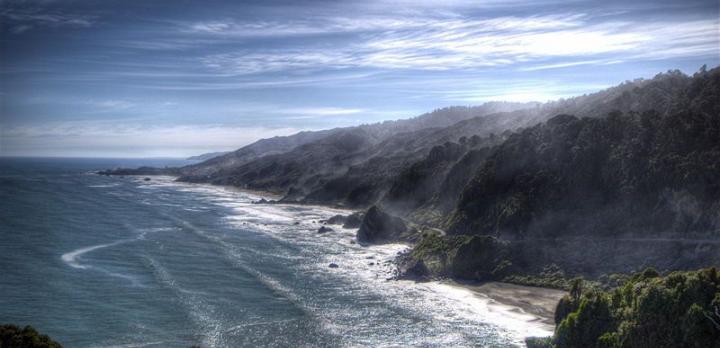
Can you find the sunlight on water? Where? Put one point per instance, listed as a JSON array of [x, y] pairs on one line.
[[134, 263]]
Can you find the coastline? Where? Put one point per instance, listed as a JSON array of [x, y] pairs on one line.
[[533, 306], [539, 303]]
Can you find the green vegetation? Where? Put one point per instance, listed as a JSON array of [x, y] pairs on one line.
[[538, 342], [12, 336], [550, 277], [465, 257], [681, 309]]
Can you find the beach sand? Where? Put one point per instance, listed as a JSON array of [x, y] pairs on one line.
[[536, 302]]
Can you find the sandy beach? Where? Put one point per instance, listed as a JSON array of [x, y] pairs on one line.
[[528, 300]]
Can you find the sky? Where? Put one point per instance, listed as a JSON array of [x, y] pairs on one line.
[[88, 78]]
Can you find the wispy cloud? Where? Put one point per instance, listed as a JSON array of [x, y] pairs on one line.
[[461, 43], [250, 67], [317, 112], [110, 104], [21, 20]]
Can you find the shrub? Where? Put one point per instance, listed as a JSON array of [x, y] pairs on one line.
[[12, 336]]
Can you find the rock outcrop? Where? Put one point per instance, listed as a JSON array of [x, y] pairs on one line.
[[353, 220], [380, 227], [336, 220], [324, 229]]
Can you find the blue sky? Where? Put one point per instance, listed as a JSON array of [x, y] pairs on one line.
[[177, 78]]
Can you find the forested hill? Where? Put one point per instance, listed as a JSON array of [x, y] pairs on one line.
[[636, 166], [587, 196], [648, 173]]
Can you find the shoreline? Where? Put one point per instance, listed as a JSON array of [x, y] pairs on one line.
[[536, 305], [532, 305], [540, 303]]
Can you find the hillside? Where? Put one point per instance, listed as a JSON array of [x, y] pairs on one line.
[[358, 166], [631, 171], [206, 156], [588, 196]]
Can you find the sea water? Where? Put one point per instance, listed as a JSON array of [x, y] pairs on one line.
[[97, 261]]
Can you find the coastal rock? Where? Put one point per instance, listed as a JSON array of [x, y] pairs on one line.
[[146, 179], [380, 227], [333, 265], [414, 270], [324, 229], [482, 258], [336, 220], [353, 220]]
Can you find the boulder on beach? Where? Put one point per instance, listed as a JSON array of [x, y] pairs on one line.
[[380, 227]]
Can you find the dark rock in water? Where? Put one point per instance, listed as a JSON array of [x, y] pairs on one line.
[[146, 179], [352, 242], [353, 220], [333, 265], [412, 268], [371, 263], [261, 201], [296, 223], [324, 229], [380, 227], [415, 270], [336, 220]]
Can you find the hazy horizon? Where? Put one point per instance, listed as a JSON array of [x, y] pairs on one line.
[[110, 79]]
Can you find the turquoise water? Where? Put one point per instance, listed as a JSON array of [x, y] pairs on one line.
[[98, 261]]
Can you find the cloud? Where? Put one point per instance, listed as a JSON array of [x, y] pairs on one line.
[[319, 112], [525, 90], [109, 104], [19, 29], [464, 43], [22, 20]]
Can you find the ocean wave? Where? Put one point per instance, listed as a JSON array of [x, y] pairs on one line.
[[104, 185], [458, 315], [74, 258], [233, 255], [200, 312], [71, 258]]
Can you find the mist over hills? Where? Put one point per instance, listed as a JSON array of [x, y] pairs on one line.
[[633, 170]]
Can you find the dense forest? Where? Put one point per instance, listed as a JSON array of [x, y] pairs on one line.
[[681, 309]]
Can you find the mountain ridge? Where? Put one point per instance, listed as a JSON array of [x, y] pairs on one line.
[[629, 162]]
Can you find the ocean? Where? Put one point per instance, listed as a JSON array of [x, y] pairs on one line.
[[96, 261]]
